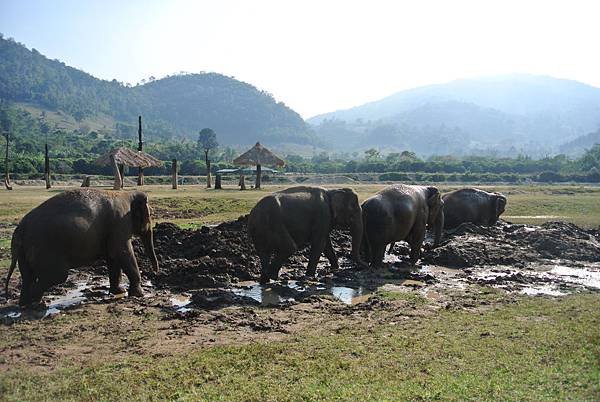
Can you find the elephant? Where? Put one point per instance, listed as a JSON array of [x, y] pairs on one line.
[[472, 205], [401, 212], [283, 222], [78, 227]]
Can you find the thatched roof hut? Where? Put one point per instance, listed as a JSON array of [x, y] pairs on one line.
[[258, 156], [128, 157], [120, 157]]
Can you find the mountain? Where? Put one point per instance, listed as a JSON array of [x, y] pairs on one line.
[[581, 144], [503, 114], [175, 106]]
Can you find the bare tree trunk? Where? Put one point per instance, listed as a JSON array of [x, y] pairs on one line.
[[208, 178], [174, 174], [6, 173], [242, 183], [47, 167], [258, 176], [118, 181], [86, 181]]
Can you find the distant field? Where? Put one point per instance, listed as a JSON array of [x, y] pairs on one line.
[[195, 205]]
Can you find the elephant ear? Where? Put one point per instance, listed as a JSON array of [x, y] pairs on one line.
[[434, 197], [500, 204], [140, 213]]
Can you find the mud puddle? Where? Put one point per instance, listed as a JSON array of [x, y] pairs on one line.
[[70, 295], [552, 280]]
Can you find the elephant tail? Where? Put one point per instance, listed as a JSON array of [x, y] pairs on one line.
[[15, 247]]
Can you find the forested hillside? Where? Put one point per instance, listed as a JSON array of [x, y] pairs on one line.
[[505, 115], [173, 107]]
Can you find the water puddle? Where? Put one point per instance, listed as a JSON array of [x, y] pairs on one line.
[[277, 293], [83, 292], [180, 302]]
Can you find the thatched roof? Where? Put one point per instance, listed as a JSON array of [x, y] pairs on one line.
[[258, 155], [129, 157]]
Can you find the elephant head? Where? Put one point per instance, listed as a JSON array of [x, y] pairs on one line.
[[347, 213], [498, 206], [142, 225], [435, 219]]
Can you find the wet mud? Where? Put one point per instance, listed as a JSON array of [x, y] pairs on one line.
[[216, 267]]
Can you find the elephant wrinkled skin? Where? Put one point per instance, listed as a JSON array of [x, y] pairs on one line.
[[401, 212], [472, 205], [284, 222], [78, 227]]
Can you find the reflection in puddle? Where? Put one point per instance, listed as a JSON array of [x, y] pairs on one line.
[[180, 302], [542, 290], [579, 276], [278, 293]]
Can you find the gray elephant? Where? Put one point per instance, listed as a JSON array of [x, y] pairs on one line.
[[472, 205], [284, 222], [401, 212], [78, 227]]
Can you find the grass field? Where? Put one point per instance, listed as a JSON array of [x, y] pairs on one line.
[[493, 347], [535, 349]]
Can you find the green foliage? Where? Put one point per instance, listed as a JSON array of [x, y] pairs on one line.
[[207, 140], [172, 107]]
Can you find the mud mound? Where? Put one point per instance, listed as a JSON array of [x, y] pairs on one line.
[[208, 257], [508, 244]]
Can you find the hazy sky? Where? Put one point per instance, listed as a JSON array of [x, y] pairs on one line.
[[316, 56]]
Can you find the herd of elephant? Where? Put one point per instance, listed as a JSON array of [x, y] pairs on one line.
[[78, 227]]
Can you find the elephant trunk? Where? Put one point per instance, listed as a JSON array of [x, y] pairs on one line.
[[356, 231], [148, 241]]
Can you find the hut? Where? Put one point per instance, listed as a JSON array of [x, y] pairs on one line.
[[258, 156], [118, 158]]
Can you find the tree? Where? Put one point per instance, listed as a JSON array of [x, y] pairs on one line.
[[372, 155], [207, 141]]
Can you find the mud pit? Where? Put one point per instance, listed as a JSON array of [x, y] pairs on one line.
[[216, 267]]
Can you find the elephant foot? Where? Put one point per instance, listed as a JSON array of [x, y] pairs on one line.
[[135, 291], [117, 290]]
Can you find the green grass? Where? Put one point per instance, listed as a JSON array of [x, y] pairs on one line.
[[536, 349]]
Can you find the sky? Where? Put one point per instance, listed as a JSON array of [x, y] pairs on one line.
[[315, 56]]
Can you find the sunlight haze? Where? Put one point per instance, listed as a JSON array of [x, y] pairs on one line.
[[314, 56]]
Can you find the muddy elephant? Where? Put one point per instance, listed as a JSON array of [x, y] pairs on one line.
[[284, 222], [401, 212], [472, 205], [78, 227]]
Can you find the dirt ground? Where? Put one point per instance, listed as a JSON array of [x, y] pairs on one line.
[[205, 292]]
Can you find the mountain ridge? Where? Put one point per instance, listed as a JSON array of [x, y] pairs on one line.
[[173, 107]]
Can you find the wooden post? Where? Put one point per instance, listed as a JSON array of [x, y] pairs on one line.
[[140, 181], [208, 178], [174, 174], [117, 172], [86, 181], [122, 174], [242, 183], [218, 182], [47, 166], [258, 175], [6, 173]]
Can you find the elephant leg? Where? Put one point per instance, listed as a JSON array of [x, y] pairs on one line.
[[265, 273], [126, 259], [392, 244], [114, 276], [415, 240], [286, 246], [377, 255], [27, 280], [57, 274], [330, 254], [317, 246]]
